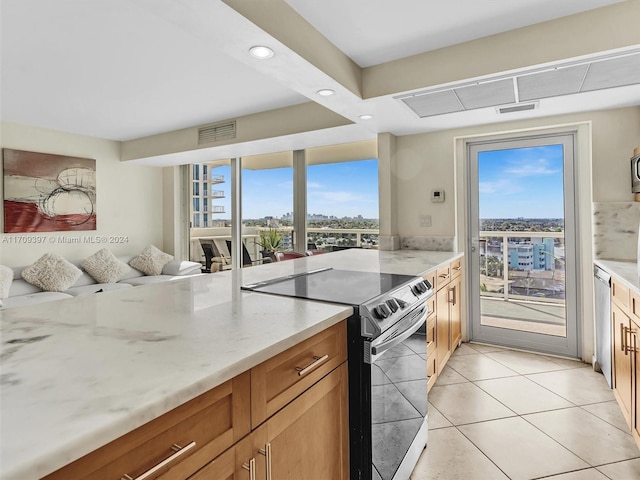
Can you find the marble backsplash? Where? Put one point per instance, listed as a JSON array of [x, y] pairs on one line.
[[437, 244], [615, 230]]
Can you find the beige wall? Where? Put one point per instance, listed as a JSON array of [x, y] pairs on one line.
[[426, 162], [129, 198]]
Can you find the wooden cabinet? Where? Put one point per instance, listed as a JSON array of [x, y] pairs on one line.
[[455, 311], [622, 378], [625, 317], [304, 443], [280, 379], [289, 413], [443, 327], [449, 311], [444, 324], [176, 444]]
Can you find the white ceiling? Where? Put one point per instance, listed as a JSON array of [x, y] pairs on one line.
[[376, 31], [124, 69]]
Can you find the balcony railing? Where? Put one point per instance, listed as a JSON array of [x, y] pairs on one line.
[[344, 236], [251, 234], [542, 273], [214, 193]]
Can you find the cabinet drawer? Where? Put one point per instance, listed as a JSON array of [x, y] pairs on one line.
[[203, 427], [431, 336], [620, 293], [443, 277], [635, 306], [280, 379], [456, 268], [431, 277]]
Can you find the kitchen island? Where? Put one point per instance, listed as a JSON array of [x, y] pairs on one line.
[[79, 373]]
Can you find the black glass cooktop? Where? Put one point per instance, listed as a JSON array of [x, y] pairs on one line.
[[332, 285]]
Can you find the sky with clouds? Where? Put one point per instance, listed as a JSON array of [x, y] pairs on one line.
[[343, 189], [523, 182]]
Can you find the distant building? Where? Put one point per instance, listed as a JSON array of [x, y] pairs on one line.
[[537, 254], [203, 195]]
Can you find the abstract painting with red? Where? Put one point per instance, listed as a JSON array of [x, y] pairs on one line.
[[48, 193]]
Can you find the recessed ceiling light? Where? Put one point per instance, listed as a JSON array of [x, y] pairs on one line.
[[365, 116], [326, 92], [261, 52]]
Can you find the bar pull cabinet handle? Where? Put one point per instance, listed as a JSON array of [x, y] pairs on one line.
[[316, 363], [443, 275], [452, 295], [623, 338], [251, 468], [458, 268], [632, 333], [179, 451], [266, 451]]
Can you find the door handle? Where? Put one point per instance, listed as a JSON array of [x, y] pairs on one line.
[[266, 451], [251, 467]]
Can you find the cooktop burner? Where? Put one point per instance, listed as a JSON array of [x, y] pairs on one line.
[[347, 287]]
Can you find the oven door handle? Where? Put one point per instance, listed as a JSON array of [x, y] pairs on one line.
[[413, 327]]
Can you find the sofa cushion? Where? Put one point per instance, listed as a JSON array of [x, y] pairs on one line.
[[181, 267], [151, 260], [33, 298], [6, 278], [95, 288], [52, 273], [105, 267]]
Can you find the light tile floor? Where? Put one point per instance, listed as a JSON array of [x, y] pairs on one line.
[[499, 414]]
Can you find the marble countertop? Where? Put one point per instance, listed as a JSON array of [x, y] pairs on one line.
[[627, 272], [79, 373]]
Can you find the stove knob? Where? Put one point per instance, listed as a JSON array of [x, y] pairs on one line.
[[422, 287], [393, 305], [427, 284], [383, 310]]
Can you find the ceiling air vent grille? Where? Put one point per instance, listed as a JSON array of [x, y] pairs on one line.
[[518, 108], [216, 133]]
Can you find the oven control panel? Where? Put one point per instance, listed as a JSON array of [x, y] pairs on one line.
[[381, 313]]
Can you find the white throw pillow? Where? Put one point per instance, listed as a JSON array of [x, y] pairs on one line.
[[105, 267], [6, 277], [151, 260], [52, 273]]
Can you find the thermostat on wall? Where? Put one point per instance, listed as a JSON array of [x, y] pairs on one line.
[[437, 196]]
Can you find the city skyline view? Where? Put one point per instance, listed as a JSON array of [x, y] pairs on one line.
[[345, 189], [521, 183]]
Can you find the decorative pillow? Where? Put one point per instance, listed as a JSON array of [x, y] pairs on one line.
[[52, 273], [105, 267], [151, 260], [6, 277]]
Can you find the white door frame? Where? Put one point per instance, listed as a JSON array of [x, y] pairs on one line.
[[584, 267], [567, 345]]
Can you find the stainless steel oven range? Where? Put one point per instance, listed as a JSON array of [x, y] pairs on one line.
[[387, 363]]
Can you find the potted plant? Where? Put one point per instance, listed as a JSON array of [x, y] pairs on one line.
[[270, 241]]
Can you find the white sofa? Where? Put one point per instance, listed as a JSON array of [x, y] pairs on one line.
[[23, 293]]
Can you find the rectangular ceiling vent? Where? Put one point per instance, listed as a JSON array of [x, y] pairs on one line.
[[522, 107], [217, 132]]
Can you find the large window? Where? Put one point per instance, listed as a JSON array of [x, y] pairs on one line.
[[267, 207], [342, 205]]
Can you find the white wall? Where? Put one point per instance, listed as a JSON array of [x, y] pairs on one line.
[[129, 198], [426, 162]]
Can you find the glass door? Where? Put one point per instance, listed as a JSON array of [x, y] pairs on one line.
[[523, 244]]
